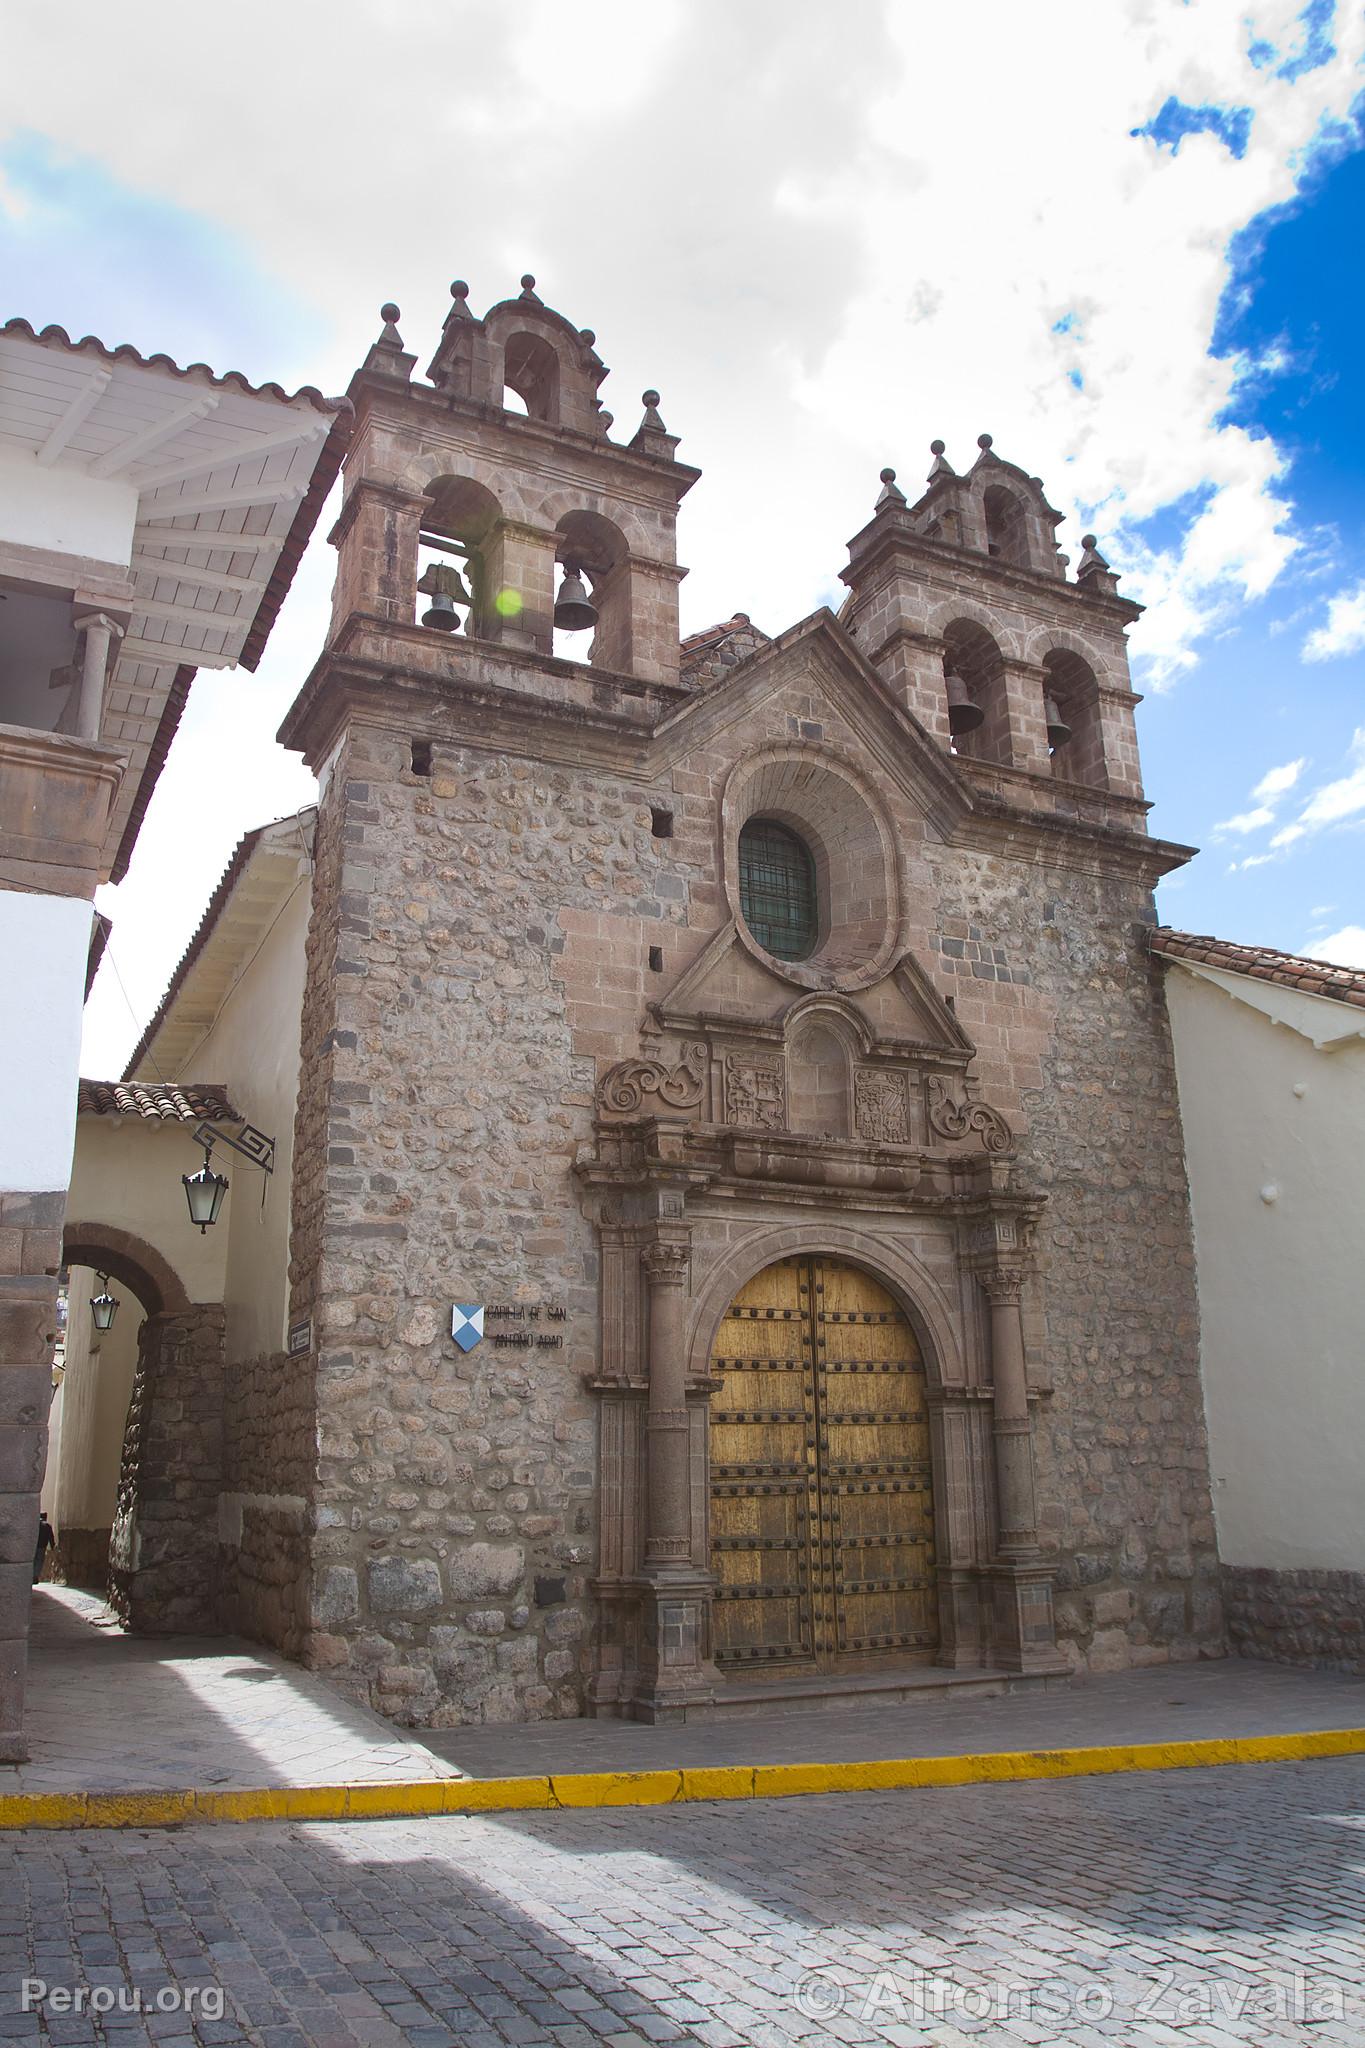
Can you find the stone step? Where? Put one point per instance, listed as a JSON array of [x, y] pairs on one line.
[[928, 1684]]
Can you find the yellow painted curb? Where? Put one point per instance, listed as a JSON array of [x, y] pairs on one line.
[[586, 1789]]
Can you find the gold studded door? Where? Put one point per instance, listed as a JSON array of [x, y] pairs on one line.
[[821, 1503]]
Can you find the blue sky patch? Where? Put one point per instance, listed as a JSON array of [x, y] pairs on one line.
[[93, 256], [1174, 120]]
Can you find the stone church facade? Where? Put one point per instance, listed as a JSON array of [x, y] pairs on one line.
[[761, 1032]]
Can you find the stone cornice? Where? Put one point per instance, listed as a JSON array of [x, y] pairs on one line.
[[400, 400]]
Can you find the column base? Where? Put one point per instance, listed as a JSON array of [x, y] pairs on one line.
[[675, 1674], [1025, 1634]]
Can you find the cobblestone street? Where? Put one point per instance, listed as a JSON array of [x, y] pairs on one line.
[[1197, 1908]]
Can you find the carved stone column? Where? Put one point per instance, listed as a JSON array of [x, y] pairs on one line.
[[668, 1529], [675, 1674], [1014, 1480], [1022, 1625]]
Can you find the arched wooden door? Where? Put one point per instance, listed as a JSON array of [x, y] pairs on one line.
[[822, 1523]]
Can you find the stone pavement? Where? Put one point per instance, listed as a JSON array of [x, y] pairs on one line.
[[1168, 1703], [113, 1712], [1196, 1910]]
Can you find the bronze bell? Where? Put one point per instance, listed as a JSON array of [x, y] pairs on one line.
[[964, 713], [1058, 731], [445, 587], [574, 609]]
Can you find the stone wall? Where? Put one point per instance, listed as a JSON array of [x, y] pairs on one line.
[[438, 1120], [268, 1434], [480, 953], [1297, 1617], [1054, 985], [163, 1551]]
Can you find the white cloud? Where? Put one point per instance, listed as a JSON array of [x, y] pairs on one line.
[[1278, 781], [1288, 835], [798, 222], [1253, 860], [1344, 632], [1275, 783], [1247, 821], [1345, 948], [1342, 798]]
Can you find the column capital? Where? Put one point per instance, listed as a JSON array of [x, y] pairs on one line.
[[666, 1264], [1003, 1283], [112, 626]]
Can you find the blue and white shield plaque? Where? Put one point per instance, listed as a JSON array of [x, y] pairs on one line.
[[466, 1324]]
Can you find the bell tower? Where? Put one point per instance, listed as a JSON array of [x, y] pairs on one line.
[[494, 492], [963, 603], [503, 642]]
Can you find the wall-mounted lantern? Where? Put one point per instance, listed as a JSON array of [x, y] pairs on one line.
[[104, 1306], [204, 1191]]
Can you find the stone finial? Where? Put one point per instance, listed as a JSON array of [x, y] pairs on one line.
[[528, 287], [891, 493], [459, 293], [941, 467], [1093, 571], [985, 442], [652, 436], [387, 356], [587, 334]]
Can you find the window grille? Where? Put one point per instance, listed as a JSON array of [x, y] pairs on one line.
[[777, 889]]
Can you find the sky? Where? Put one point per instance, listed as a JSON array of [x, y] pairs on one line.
[[1123, 239]]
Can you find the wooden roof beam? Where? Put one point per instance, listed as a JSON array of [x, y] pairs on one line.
[[77, 412], [230, 453], [165, 429], [224, 501]]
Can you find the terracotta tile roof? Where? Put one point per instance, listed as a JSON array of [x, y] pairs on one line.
[[124, 352], [159, 1102], [1263, 963], [710, 636]]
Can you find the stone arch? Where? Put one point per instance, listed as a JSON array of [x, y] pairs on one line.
[[1047, 640], [889, 1261], [972, 651], [531, 368], [139, 1265], [1006, 515], [966, 610], [468, 512]]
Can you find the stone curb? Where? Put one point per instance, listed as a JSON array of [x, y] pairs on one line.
[[581, 1789]]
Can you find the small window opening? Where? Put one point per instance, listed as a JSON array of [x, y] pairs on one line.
[[660, 823], [777, 889], [421, 757], [656, 959]]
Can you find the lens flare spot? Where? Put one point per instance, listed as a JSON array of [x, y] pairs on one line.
[[507, 603]]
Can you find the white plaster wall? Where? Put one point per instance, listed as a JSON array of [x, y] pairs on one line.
[[81, 1486], [65, 510], [253, 1050], [1280, 1282], [43, 943], [127, 1172]]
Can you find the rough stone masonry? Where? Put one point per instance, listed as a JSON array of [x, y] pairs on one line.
[[549, 1070]]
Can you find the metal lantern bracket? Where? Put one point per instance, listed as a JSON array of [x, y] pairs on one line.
[[249, 1142]]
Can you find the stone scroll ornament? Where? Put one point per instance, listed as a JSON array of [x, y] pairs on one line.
[[956, 1120], [625, 1087]]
